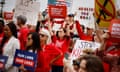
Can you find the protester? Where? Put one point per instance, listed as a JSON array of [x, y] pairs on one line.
[[61, 39], [88, 36], [67, 61], [23, 31], [49, 50], [69, 21], [1, 29], [9, 45], [109, 54], [32, 45], [90, 63]]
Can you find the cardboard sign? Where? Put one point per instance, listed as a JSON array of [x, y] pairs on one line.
[[57, 11], [3, 60], [80, 45], [28, 8], [8, 15], [28, 59], [115, 30]]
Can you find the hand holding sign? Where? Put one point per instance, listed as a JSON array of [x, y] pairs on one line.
[[3, 60], [22, 68]]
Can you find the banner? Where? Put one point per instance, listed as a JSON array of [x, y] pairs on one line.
[[3, 61], [28, 59], [115, 30], [28, 8], [57, 11], [8, 15], [80, 45]]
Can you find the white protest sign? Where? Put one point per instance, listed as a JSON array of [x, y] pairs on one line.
[[29, 9], [84, 10], [80, 45]]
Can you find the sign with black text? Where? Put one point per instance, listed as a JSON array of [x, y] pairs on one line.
[[29, 9], [25, 58], [3, 60], [84, 10], [80, 45]]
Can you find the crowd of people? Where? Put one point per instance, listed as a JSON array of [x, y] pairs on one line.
[[53, 47]]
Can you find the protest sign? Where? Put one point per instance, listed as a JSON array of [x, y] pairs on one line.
[[3, 60], [84, 10], [115, 30], [28, 59], [29, 9], [57, 11], [8, 15], [80, 45], [68, 3]]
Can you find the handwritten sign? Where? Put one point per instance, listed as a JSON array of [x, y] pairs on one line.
[[29, 9], [80, 45], [3, 60], [115, 30], [27, 59], [57, 11], [84, 10]]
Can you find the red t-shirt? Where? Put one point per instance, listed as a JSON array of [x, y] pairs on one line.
[[81, 34], [40, 62], [44, 57], [22, 35], [106, 67], [1, 37], [113, 60], [63, 46]]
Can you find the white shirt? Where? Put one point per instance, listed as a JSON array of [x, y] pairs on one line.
[[9, 50]]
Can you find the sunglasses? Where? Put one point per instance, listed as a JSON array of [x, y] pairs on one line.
[[42, 35], [29, 38]]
